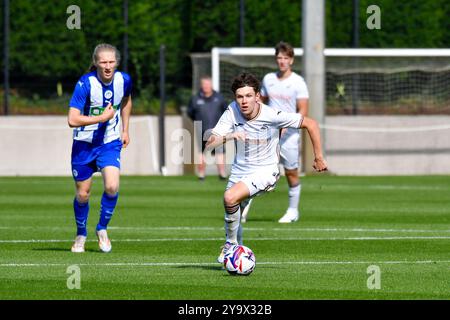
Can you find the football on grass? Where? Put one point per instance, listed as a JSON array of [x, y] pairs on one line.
[[239, 260]]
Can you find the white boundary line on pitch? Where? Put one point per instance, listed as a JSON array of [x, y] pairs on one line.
[[286, 229], [156, 264], [247, 239]]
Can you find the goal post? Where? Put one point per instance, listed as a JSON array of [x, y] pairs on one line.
[[405, 81]]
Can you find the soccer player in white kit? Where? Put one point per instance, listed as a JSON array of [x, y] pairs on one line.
[[285, 90], [255, 129]]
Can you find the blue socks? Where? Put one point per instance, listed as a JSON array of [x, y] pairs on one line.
[[81, 214], [108, 204]]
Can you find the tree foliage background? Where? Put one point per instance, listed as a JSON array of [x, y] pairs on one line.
[[43, 51]]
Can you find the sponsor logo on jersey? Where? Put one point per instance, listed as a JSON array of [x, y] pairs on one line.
[[95, 111]]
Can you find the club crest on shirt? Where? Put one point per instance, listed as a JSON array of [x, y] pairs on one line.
[[108, 94]]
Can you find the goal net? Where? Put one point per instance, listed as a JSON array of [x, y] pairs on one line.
[[358, 81]]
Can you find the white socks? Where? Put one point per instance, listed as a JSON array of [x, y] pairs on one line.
[[294, 196], [232, 222]]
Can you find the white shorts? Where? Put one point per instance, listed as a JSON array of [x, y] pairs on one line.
[[258, 182], [290, 148]]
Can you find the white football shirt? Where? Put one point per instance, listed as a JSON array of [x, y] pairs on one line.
[[260, 148], [283, 94]]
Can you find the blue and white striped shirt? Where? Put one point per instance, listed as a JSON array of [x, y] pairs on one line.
[[91, 96]]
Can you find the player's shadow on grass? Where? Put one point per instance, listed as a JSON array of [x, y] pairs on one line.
[[260, 220], [64, 249], [205, 267]]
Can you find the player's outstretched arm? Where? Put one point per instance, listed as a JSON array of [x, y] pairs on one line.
[[76, 119], [125, 113], [314, 133], [302, 107]]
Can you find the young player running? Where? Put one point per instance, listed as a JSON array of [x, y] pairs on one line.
[[255, 130], [99, 111]]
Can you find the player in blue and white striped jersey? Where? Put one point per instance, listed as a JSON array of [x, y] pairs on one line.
[[99, 112]]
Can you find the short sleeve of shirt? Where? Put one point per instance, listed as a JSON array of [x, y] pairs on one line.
[[128, 85], [80, 94], [225, 125], [263, 88], [302, 92], [283, 119]]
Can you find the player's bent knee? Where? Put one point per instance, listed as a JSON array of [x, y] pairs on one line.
[[112, 189], [229, 198], [83, 196]]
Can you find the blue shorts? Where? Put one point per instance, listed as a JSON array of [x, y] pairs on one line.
[[87, 159]]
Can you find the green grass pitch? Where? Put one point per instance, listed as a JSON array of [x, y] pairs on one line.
[[167, 232]]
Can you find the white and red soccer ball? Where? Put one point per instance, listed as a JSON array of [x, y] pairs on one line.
[[239, 260]]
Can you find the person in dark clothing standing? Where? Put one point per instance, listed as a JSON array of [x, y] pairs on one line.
[[206, 108]]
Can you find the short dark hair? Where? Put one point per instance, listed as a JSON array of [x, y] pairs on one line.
[[284, 48], [245, 80]]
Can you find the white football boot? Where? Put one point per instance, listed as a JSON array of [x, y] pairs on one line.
[[224, 250], [291, 215], [78, 245], [103, 241]]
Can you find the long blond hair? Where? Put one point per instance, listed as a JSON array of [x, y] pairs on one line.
[[103, 47]]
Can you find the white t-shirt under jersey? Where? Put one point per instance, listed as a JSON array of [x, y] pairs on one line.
[[260, 148], [283, 94]]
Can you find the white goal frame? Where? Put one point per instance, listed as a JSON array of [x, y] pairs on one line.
[[394, 129], [216, 52]]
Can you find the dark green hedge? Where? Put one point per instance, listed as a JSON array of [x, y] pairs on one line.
[[42, 47]]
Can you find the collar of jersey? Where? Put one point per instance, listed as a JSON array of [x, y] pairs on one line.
[[100, 80], [257, 115]]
